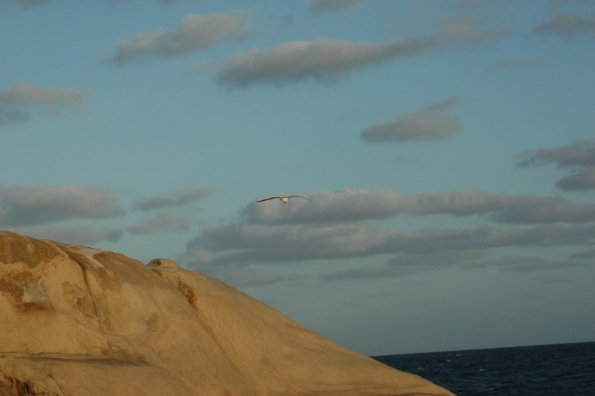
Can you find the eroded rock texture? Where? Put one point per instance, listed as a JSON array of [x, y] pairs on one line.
[[80, 321]]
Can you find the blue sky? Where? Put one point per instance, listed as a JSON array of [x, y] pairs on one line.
[[447, 148]]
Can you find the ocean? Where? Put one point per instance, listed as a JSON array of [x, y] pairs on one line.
[[557, 370]]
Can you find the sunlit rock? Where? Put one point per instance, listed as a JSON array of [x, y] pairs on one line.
[[81, 321]]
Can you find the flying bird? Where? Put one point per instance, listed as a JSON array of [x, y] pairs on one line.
[[284, 199]]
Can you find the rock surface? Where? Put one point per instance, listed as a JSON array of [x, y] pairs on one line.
[[80, 321]]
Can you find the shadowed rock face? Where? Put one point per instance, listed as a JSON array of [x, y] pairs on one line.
[[80, 321]]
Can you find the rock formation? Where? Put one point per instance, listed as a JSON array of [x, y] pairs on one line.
[[80, 321]]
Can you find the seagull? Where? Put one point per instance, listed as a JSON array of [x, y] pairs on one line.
[[283, 199]]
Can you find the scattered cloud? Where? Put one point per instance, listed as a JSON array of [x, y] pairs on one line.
[[320, 6], [27, 3], [325, 60], [362, 205], [16, 101], [567, 25], [175, 199], [33, 3], [579, 156], [530, 209], [430, 123], [161, 222], [33, 205], [583, 180], [23, 94], [339, 226], [12, 116], [329, 207], [320, 60], [195, 33], [71, 234], [239, 243]]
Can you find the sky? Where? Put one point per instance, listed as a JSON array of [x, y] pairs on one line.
[[447, 148]]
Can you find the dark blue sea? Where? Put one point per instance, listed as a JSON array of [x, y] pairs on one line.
[[557, 370]]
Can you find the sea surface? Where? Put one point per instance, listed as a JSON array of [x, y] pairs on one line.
[[564, 369]]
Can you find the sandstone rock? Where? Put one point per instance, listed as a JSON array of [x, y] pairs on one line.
[[80, 321]]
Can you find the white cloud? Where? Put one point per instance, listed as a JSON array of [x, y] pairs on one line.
[[249, 243], [32, 3], [430, 123], [331, 206], [23, 94], [583, 180], [16, 102], [325, 60], [579, 153], [195, 33], [578, 156], [567, 25], [320, 60], [27, 3], [175, 199], [32, 205]]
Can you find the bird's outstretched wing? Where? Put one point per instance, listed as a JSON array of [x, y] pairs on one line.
[[268, 199], [284, 199]]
